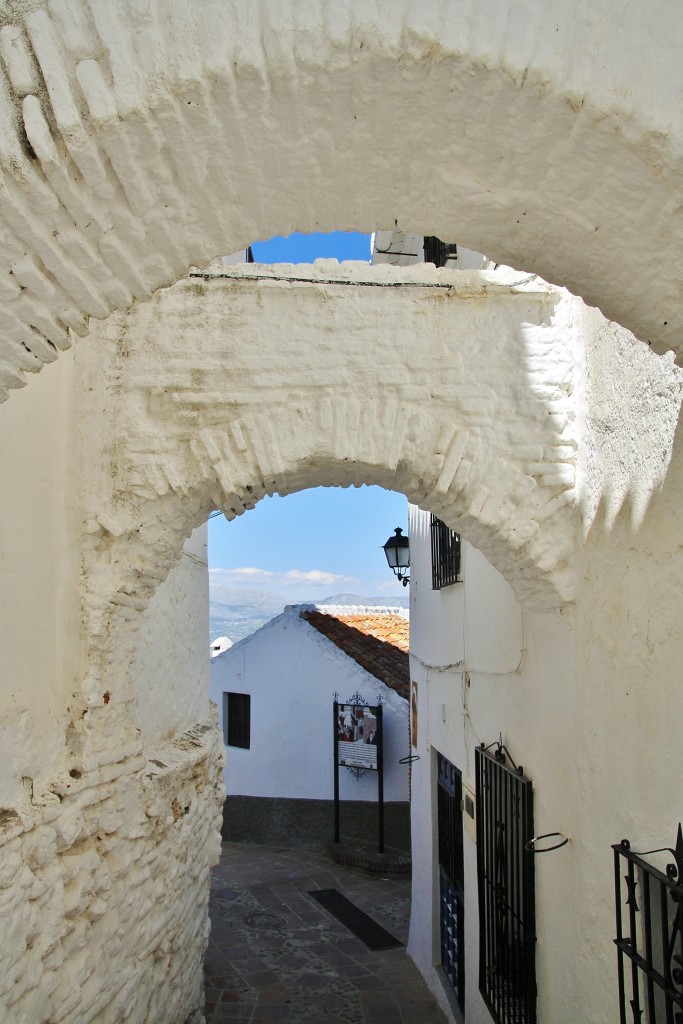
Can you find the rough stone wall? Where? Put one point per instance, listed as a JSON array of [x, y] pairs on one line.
[[140, 138], [103, 865], [630, 405], [104, 887]]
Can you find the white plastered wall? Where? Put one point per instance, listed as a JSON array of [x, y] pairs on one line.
[[512, 673], [40, 628], [171, 671], [477, 415], [587, 698]]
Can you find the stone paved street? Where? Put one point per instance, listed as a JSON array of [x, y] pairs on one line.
[[275, 955]]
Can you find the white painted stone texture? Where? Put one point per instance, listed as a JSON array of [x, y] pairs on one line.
[[487, 397], [103, 867], [104, 889], [551, 142], [476, 420]]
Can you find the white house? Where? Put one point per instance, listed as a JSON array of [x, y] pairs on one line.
[[220, 644], [275, 691]]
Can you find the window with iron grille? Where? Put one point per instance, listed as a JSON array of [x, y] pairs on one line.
[[445, 555], [438, 252], [237, 719], [649, 906], [507, 906]]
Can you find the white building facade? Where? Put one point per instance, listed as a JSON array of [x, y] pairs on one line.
[[279, 770], [498, 914]]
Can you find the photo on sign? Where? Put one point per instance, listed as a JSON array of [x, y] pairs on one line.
[[357, 736]]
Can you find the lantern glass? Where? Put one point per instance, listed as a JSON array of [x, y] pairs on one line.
[[397, 550]]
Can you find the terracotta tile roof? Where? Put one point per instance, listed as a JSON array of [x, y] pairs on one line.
[[378, 643], [392, 628]]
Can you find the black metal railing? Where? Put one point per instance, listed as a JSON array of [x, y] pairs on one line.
[[451, 877], [507, 906], [649, 935], [445, 555]]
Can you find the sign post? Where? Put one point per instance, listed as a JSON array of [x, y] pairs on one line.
[[335, 733], [380, 776], [359, 746]]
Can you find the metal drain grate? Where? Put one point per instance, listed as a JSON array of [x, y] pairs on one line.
[[261, 919]]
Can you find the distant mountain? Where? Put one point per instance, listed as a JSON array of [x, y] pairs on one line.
[[398, 601], [236, 612]]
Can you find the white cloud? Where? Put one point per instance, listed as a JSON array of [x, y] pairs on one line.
[[319, 576], [294, 584]]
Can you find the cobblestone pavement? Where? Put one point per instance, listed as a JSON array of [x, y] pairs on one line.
[[275, 955]]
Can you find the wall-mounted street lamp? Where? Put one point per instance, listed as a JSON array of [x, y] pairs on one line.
[[397, 550]]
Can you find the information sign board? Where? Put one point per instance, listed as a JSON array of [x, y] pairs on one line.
[[357, 737]]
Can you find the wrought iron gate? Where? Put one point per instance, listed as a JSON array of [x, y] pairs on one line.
[[507, 908], [449, 793], [650, 940]]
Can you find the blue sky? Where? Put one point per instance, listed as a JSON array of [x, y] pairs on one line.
[[310, 545], [344, 245], [322, 541]]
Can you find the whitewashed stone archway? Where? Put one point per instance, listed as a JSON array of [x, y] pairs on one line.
[[138, 139], [455, 388], [186, 402]]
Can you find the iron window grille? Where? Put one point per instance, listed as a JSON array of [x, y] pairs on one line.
[[649, 935], [451, 877], [438, 252], [445, 555], [237, 719], [507, 906]]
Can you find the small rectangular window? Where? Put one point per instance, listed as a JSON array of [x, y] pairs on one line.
[[438, 252], [445, 555], [237, 719]]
